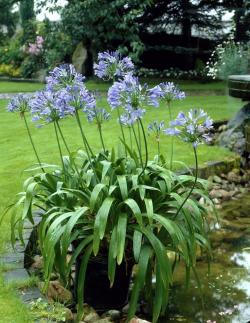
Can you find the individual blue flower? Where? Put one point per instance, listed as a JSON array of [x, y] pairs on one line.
[[128, 93], [78, 97], [156, 128], [131, 116], [49, 106], [167, 91], [63, 76], [112, 64], [19, 103], [98, 114], [192, 127]]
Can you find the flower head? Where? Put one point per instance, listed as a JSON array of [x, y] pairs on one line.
[[98, 114], [131, 116], [167, 91], [19, 103], [37, 47], [156, 128], [131, 95], [49, 106], [112, 64], [193, 127], [64, 76]]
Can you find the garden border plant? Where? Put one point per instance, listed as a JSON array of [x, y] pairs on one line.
[[115, 204]]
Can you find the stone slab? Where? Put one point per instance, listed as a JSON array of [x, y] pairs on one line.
[[30, 294], [16, 275]]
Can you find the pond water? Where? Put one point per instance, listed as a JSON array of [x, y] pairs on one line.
[[226, 289]]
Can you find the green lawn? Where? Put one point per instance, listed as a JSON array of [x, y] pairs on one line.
[[12, 87], [11, 308], [16, 156], [185, 85]]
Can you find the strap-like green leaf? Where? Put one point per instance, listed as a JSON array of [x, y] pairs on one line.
[[145, 255], [135, 209], [123, 186], [81, 281], [121, 236], [100, 222], [137, 241], [149, 209], [112, 255], [94, 195]]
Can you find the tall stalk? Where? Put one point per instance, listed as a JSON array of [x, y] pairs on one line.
[[172, 138], [84, 139], [137, 144], [66, 145], [99, 126], [119, 116], [158, 145], [59, 147], [146, 147], [139, 133], [193, 186], [130, 138], [31, 141]]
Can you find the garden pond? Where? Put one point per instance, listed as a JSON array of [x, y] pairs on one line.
[[226, 289]]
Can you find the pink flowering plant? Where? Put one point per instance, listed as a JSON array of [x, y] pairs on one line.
[[36, 48], [116, 204]]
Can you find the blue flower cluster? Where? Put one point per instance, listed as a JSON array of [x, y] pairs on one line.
[[156, 128], [132, 96], [111, 65], [19, 103], [65, 92], [167, 91], [192, 127]]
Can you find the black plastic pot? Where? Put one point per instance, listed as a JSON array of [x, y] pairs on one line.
[[98, 293]]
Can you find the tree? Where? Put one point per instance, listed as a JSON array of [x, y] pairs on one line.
[[8, 18], [27, 16], [241, 10], [122, 24]]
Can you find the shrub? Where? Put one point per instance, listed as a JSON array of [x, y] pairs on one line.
[[9, 70], [229, 58]]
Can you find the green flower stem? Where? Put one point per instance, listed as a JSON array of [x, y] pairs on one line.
[[130, 138], [158, 145], [137, 144], [66, 145], [139, 133], [193, 186], [63, 138], [99, 126], [31, 140], [119, 116], [172, 138], [59, 147], [146, 146], [84, 139]]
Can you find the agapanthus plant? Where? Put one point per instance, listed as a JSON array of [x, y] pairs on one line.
[[193, 128], [111, 65], [167, 92], [124, 208]]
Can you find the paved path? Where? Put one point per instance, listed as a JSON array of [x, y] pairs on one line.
[[15, 272]]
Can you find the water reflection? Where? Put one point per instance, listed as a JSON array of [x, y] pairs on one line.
[[226, 289]]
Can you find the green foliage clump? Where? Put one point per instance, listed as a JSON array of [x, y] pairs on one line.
[[229, 58]]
